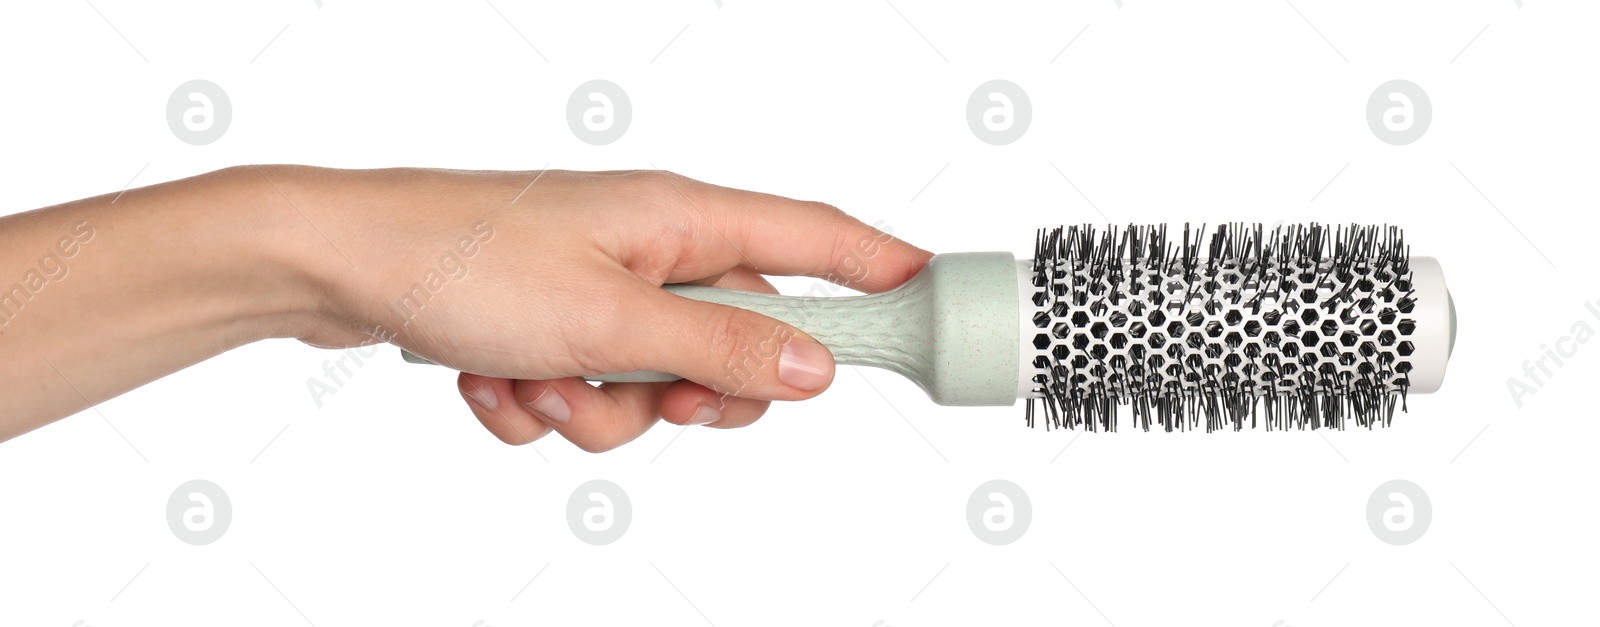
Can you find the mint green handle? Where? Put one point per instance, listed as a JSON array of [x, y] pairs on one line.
[[953, 328]]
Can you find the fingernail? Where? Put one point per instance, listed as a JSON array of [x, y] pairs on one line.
[[704, 416], [805, 365], [484, 396], [550, 405]]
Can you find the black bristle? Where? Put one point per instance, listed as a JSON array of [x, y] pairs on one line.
[[1293, 284]]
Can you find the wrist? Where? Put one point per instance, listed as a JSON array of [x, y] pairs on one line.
[[262, 252], [370, 248]]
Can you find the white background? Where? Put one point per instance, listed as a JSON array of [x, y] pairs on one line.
[[391, 505]]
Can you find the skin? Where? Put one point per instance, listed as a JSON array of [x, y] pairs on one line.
[[561, 281]]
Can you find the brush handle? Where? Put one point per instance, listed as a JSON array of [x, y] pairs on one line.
[[888, 330], [952, 329]]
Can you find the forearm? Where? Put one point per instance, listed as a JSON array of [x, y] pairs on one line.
[[100, 295]]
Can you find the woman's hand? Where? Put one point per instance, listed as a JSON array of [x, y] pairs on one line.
[[525, 281]]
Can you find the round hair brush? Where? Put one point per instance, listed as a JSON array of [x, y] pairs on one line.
[[1303, 326]]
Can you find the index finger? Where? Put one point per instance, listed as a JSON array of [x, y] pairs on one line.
[[781, 236]]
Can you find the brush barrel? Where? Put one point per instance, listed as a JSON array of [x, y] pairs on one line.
[[1301, 327], [1404, 331]]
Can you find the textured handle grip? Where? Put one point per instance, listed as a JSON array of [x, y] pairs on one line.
[[891, 330], [952, 329]]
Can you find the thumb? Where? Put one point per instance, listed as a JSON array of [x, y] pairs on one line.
[[731, 350]]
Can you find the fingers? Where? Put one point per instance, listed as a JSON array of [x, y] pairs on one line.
[[492, 402], [780, 236], [688, 403], [728, 349], [734, 360], [599, 419], [743, 279], [596, 419]]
